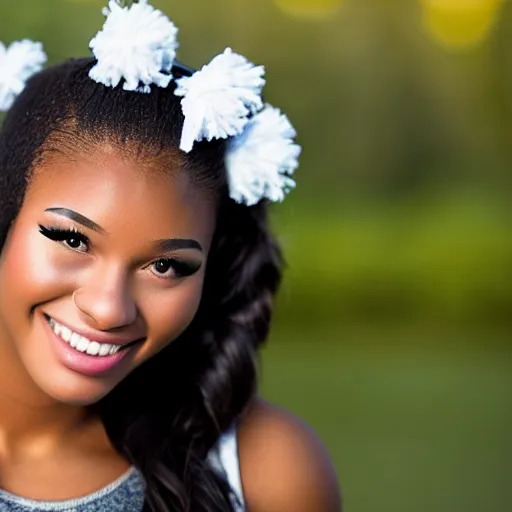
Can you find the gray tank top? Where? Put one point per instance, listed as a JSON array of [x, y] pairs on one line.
[[126, 494]]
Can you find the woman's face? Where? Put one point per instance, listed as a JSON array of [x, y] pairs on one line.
[[103, 268]]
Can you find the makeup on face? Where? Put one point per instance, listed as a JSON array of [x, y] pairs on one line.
[[93, 355], [74, 238], [104, 268]]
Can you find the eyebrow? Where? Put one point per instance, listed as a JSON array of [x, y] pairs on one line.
[[173, 244], [77, 217], [165, 244]]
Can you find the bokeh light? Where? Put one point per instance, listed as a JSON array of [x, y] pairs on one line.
[[309, 8], [460, 24]]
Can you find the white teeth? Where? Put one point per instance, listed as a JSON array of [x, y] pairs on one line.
[[65, 333], [105, 349], [93, 348], [75, 340], [81, 343], [115, 349]]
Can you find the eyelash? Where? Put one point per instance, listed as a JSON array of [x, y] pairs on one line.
[[181, 268], [63, 235]]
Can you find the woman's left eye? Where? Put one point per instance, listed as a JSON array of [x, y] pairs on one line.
[[171, 267]]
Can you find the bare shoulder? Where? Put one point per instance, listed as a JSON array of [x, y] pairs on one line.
[[283, 464]]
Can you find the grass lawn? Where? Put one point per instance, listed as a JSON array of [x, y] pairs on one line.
[[419, 424]]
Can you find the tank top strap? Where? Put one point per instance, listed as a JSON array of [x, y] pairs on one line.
[[224, 458]]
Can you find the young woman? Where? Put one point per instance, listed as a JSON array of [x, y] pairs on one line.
[[137, 277]]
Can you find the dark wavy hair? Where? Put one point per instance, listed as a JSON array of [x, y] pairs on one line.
[[168, 413]]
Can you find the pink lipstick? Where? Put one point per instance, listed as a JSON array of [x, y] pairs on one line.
[[82, 355]]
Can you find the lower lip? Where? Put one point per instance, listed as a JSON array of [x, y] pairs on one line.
[[81, 362]]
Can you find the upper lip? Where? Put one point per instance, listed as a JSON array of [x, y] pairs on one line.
[[98, 336]]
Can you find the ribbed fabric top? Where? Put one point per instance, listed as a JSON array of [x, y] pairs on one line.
[[126, 494]]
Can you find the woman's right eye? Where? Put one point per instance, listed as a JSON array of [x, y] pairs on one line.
[[72, 238]]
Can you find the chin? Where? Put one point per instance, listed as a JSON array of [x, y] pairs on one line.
[[80, 397], [71, 388]]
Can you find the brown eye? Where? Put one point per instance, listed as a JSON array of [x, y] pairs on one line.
[[73, 242], [162, 266], [169, 268]]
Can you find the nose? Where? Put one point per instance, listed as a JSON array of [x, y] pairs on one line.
[[107, 301]]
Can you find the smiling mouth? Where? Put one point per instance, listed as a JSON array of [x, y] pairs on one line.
[[85, 345]]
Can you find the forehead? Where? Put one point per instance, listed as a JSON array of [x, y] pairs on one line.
[[119, 192]]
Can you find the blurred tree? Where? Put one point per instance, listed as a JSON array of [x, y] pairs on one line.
[[309, 8]]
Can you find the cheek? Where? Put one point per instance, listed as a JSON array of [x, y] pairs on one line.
[[170, 312], [29, 274]]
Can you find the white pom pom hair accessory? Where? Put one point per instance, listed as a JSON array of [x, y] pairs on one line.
[[218, 99], [138, 44], [223, 100], [18, 63], [261, 161]]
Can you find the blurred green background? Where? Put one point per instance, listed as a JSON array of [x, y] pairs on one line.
[[392, 332]]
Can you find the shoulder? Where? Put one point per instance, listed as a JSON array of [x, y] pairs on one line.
[[283, 464]]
